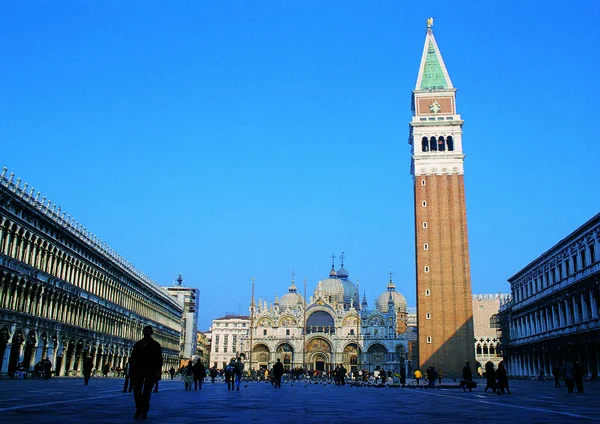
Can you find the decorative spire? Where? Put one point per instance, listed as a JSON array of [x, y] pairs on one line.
[[332, 273], [433, 74], [391, 286]]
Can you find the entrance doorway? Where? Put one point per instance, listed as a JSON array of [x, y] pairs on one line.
[[319, 365]]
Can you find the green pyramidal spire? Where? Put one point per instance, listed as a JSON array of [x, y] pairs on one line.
[[432, 72]]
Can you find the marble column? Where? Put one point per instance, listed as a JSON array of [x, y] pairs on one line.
[[6, 357]]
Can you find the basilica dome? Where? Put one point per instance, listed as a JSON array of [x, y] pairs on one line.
[[292, 298], [399, 300], [332, 289]]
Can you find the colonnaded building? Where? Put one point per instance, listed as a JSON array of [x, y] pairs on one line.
[[553, 315], [65, 294], [330, 328]]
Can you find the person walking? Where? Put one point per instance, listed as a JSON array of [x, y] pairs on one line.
[[88, 364], [213, 374], [467, 380], [229, 374], [172, 372], [188, 376], [490, 377], [199, 371], [239, 370], [277, 373], [418, 376], [145, 367], [502, 377], [128, 380], [569, 376], [47, 368], [556, 374], [578, 374]]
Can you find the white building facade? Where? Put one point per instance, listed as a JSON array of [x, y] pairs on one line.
[[189, 299], [225, 336]]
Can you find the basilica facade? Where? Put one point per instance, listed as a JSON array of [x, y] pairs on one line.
[[331, 327]]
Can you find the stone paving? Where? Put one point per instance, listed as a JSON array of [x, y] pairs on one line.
[[67, 400]]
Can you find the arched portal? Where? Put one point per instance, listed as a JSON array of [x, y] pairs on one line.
[[285, 352], [376, 356], [29, 350], [318, 351], [15, 352], [350, 357], [261, 354]]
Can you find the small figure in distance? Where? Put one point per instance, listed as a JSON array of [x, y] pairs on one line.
[[502, 377], [229, 374], [467, 380], [88, 365], [128, 379], [277, 373], [145, 368], [238, 372], [199, 371]]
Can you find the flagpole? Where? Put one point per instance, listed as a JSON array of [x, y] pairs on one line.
[[304, 332], [251, 327]]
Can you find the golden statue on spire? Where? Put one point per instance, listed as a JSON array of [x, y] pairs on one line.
[[429, 22]]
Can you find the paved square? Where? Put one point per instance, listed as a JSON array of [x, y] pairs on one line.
[[67, 400]]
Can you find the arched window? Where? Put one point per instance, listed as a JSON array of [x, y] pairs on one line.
[[485, 349], [450, 143], [352, 332], [479, 349], [433, 144], [424, 145], [494, 321], [441, 144], [492, 350], [287, 332], [264, 332]]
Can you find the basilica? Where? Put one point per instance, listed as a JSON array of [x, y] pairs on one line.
[[330, 328]]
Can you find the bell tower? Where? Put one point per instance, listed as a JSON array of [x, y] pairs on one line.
[[444, 302]]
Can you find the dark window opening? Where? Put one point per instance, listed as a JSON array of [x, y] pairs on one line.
[[450, 143], [425, 145], [441, 144], [433, 144]]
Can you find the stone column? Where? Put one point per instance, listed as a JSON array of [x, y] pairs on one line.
[[584, 308], [576, 312], [593, 304], [6, 357]]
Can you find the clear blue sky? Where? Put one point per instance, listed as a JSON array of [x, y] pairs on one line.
[[234, 139]]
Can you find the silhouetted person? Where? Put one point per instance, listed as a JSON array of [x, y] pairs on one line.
[[490, 377], [556, 374], [199, 371], [128, 379], [47, 368], [172, 372], [578, 374], [213, 374], [278, 373], [145, 367], [569, 376], [238, 372], [88, 365], [502, 377], [467, 380]]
